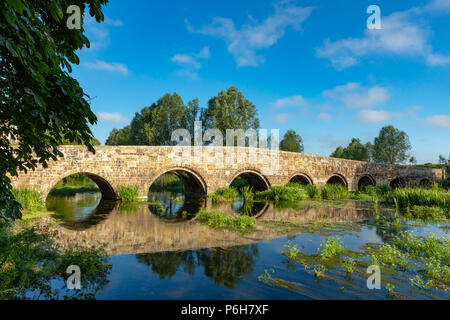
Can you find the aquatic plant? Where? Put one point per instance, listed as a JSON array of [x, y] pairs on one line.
[[313, 191], [29, 199], [221, 220], [247, 194], [283, 193], [349, 265], [291, 250], [224, 194], [31, 259], [332, 246], [334, 191], [129, 193], [409, 197]]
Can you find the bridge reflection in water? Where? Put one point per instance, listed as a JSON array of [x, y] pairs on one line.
[[137, 230]]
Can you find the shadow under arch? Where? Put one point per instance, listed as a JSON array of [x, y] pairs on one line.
[[107, 190], [301, 178], [192, 181], [366, 180], [399, 182], [255, 179], [337, 178]]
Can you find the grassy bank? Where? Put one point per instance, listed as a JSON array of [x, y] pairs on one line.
[[68, 191]]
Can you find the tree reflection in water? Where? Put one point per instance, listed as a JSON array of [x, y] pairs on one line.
[[224, 266]]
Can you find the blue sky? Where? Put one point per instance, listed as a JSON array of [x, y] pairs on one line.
[[312, 66]]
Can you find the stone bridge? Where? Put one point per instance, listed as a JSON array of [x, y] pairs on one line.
[[205, 169]]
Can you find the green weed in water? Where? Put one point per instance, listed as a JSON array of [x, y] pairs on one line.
[[129, 193], [331, 247]]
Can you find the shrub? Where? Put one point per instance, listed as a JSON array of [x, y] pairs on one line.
[[29, 199], [129, 193]]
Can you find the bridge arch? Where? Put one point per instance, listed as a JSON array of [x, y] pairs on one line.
[[107, 189], [337, 178], [425, 182], [366, 180], [254, 178], [301, 178], [398, 182], [192, 180]]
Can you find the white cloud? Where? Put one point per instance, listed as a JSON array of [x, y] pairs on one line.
[[324, 116], [402, 34], [188, 60], [105, 66], [438, 6], [98, 33], [439, 121], [282, 117], [111, 117], [374, 116], [294, 101], [355, 96], [436, 59], [243, 43]]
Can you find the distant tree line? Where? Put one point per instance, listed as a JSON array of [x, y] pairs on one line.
[[391, 147]]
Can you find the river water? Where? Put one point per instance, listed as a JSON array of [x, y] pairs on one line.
[[160, 251]]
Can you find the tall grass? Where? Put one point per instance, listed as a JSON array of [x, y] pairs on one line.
[[29, 199], [334, 192], [224, 194], [283, 193], [247, 194], [410, 197], [129, 193], [221, 220]]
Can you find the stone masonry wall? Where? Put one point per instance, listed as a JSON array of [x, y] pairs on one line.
[[212, 167]]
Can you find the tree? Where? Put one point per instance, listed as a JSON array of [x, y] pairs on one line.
[[291, 142], [40, 101], [412, 160], [391, 146], [354, 151], [154, 125], [229, 110], [119, 137]]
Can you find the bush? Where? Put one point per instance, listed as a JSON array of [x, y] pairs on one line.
[[129, 193], [29, 199], [335, 192]]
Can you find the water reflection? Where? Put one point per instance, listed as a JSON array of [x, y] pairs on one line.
[[175, 206], [224, 266]]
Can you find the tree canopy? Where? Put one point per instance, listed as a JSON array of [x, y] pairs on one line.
[[40, 101], [391, 146], [354, 151], [291, 142], [154, 125]]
